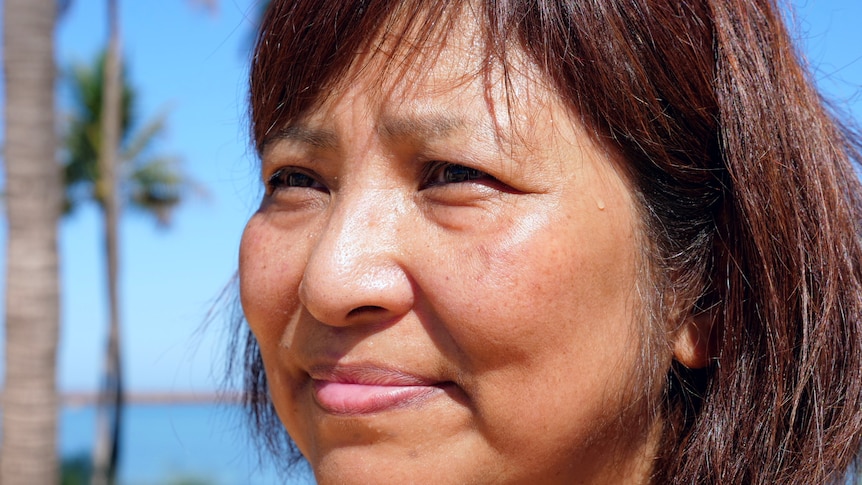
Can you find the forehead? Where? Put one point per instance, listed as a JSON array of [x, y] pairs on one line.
[[431, 84]]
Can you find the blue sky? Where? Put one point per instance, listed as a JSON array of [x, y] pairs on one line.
[[192, 63]]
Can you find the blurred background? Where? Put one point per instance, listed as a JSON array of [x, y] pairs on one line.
[[185, 68]]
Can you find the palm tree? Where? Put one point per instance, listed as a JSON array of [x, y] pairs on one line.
[[33, 199], [109, 414], [150, 183], [145, 181], [158, 195]]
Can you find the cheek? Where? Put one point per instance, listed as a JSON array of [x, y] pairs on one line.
[[550, 282], [546, 336], [268, 281]]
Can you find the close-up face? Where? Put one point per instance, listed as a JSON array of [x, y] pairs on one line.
[[444, 285]]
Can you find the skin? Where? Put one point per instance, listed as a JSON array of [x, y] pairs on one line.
[[501, 300]]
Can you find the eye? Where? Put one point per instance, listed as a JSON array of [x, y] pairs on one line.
[[289, 177], [450, 173]]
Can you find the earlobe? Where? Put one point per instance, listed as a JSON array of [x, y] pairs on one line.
[[693, 346]]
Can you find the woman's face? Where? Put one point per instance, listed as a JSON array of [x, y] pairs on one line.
[[443, 286]]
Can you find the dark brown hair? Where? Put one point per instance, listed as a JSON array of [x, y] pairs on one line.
[[746, 186]]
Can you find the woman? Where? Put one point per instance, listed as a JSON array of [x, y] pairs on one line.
[[550, 242]]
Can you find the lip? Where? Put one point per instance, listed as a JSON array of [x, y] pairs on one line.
[[368, 389]]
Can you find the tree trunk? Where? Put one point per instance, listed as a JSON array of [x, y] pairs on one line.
[[109, 418], [28, 454]]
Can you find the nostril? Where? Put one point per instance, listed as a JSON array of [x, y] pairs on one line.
[[365, 310]]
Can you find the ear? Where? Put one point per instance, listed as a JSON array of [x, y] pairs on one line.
[[693, 346]]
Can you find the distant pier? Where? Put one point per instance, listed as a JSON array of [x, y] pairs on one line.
[[82, 399]]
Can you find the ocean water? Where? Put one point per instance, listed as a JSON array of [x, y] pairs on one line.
[[172, 444]]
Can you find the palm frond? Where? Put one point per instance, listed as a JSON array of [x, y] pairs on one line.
[[142, 140], [156, 186], [152, 184]]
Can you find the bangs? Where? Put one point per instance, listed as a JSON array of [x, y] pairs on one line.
[[306, 50]]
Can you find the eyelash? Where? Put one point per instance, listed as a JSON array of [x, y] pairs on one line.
[[289, 177]]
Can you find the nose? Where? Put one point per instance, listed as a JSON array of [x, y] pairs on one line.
[[355, 272]]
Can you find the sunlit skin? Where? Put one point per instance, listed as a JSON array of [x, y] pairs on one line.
[[437, 304]]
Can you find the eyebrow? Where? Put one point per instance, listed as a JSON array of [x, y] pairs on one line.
[[318, 138], [390, 129], [425, 128]]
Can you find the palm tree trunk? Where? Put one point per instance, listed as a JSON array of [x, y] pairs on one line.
[[28, 453], [109, 419]]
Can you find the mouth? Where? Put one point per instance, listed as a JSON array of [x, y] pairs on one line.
[[357, 390]]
